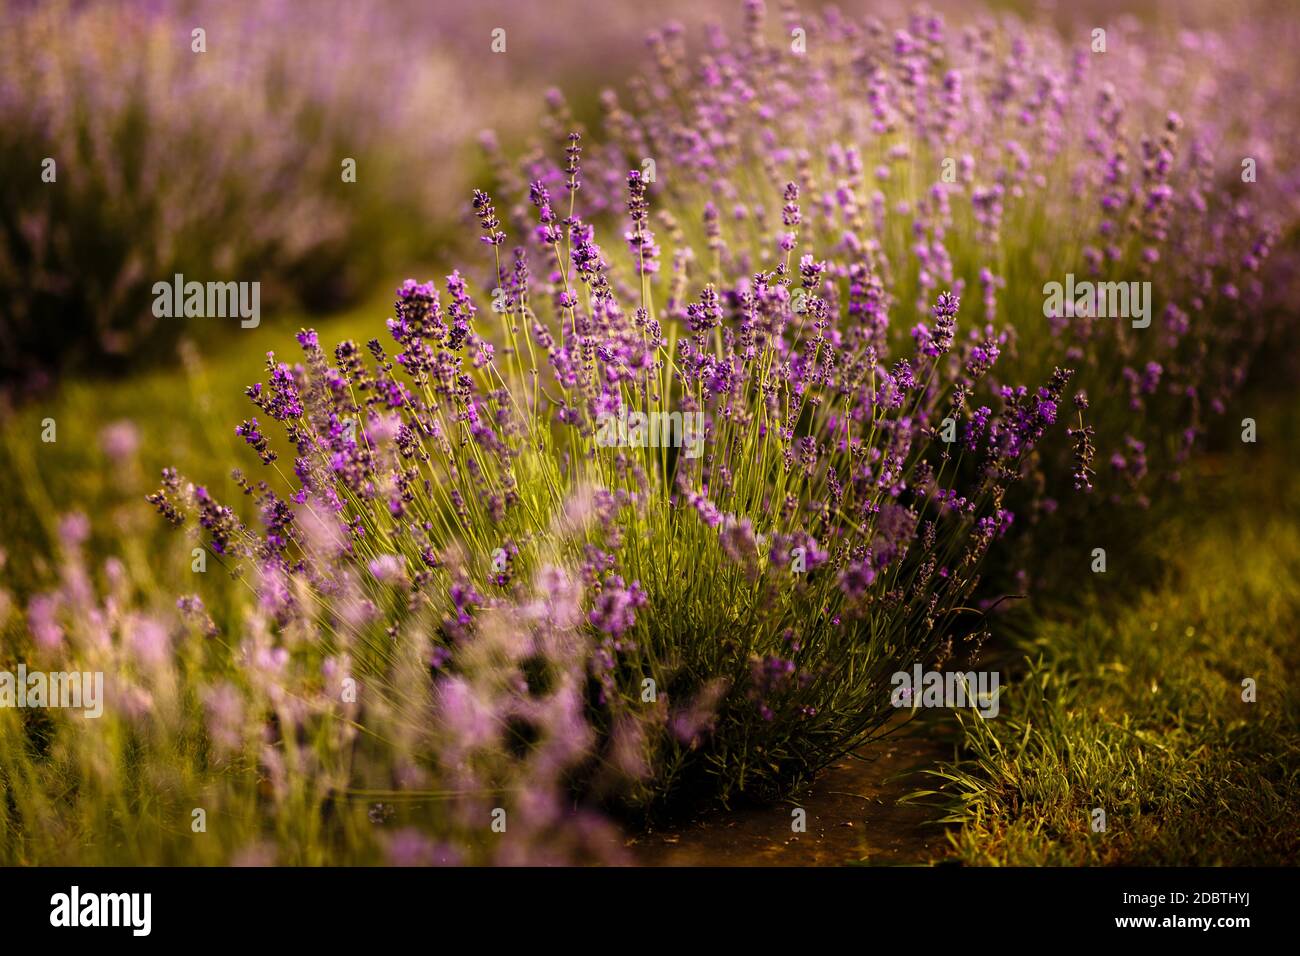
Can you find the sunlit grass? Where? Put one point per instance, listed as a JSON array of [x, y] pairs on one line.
[[1134, 706]]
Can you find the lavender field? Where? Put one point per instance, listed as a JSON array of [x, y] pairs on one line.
[[730, 433]]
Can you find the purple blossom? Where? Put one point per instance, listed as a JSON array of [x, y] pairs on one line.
[[614, 612]]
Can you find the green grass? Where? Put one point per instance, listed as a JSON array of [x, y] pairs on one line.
[[1132, 702]]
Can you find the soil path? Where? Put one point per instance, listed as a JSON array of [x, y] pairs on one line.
[[853, 816]]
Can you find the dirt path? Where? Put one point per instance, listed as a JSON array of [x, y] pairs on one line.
[[853, 816]]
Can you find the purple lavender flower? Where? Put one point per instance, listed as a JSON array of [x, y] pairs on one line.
[[856, 579], [945, 324], [615, 609], [120, 440]]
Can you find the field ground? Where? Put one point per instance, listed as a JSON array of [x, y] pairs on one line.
[[856, 812]]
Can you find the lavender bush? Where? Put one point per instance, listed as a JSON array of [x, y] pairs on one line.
[[992, 161], [742, 608], [218, 164]]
